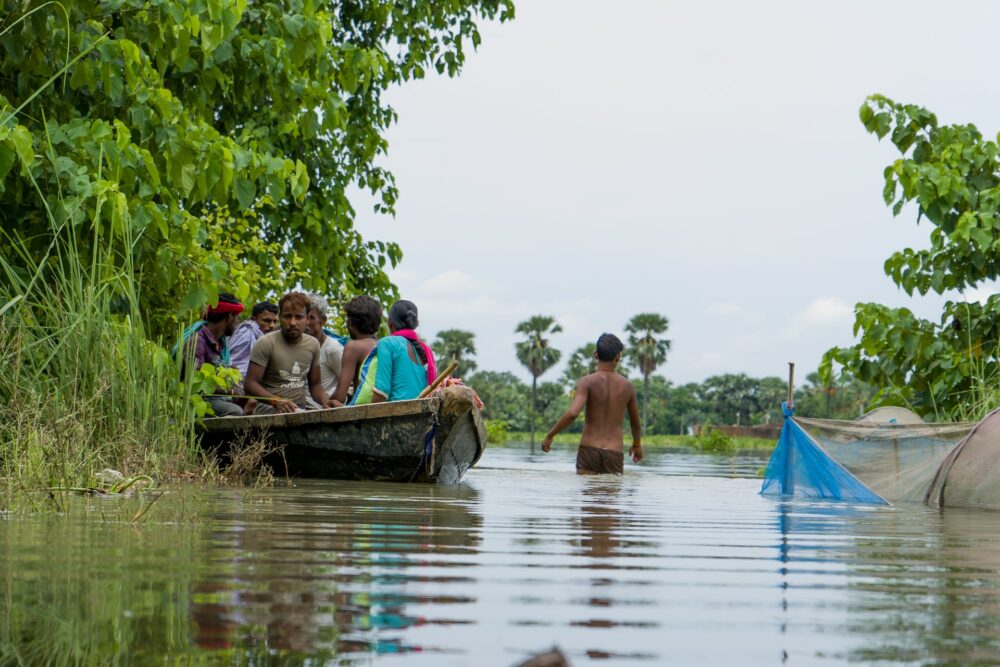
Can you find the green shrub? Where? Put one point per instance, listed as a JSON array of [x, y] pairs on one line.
[[496, 431], [711, 440]]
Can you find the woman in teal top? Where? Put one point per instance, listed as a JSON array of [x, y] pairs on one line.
[[405, 363]]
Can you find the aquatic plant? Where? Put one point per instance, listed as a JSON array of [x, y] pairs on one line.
[[497, 431]]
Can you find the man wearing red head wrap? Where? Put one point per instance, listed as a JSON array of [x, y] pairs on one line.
[[211, 346]]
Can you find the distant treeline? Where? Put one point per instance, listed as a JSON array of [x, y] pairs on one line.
[[720, 399], [672, 408]]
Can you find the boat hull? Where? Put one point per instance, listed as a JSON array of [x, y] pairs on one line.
[[432, 440]]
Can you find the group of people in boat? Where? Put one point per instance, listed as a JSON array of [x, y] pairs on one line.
[[289, 360]]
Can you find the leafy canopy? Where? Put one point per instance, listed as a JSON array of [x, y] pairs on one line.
[[951, 175], [173, 115]]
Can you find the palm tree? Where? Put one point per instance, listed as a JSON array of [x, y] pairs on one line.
[[459, 345], [536, 354], [646, 351]]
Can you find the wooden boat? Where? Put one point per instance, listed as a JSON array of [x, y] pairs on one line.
[[434, 439]]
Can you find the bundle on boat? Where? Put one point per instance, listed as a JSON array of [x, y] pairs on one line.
[[887, 456], [434, 439]]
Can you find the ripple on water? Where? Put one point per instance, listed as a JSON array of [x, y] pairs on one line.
[[678, 562]]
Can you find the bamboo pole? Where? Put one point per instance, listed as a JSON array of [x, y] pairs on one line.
[[440, 378], [791, 382]]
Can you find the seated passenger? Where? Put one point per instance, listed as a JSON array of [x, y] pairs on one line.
[[208, 339], [405, 363], [263, 320], [284, 364], [364, 317], [330, 349]]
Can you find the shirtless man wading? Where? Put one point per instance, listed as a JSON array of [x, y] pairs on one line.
[[607, 395]]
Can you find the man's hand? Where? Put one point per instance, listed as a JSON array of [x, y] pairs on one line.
[[636, 452], [547, 443], [330, 403], [283, 405]]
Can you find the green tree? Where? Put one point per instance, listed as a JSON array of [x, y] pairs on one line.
[[840, 397], [950, 175], [124, 115], [537, 355], [456, 344], [580, 363], [646, 351], [505, 397]]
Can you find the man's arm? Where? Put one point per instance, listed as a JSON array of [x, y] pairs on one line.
[[239, 349], [633, 418], [579, 400], [252, 385], [348, 369], [316, 388]]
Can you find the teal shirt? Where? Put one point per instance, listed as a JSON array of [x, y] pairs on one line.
[[398, 378]]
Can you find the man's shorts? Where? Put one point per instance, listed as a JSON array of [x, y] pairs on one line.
[[598, 461]]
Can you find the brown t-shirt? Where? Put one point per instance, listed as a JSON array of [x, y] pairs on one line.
[[286, 367]]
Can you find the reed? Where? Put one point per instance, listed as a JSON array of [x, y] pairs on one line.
[[82, 388]]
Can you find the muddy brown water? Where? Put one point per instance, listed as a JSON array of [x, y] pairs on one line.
[[680, 562]]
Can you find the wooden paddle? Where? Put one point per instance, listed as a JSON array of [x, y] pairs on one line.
[[440, 378]]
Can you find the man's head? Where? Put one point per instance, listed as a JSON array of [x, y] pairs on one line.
[[609, 348], [293, 311], [403, 315], [317, 316], [364, 316], [265, 314], [227, 310]]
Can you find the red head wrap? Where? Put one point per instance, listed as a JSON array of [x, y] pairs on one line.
[[224, 308]]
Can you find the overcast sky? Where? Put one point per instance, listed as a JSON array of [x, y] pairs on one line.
[[703, 160]]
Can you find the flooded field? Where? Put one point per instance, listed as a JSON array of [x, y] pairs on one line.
[[679, 562]]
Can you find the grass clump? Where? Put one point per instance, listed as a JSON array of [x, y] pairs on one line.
[[715, 441], [84, 388]]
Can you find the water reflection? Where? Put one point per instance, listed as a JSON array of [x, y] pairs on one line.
[[327, 572], [678, 562]]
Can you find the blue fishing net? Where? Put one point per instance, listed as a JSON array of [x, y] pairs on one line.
[[800, 467]]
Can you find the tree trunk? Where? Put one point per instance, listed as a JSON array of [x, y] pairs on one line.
[[534, 384], [645, 401]]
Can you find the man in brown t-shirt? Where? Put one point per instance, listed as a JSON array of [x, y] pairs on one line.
[[284, 364]]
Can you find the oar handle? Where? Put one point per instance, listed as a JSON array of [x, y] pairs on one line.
[[440, 378]]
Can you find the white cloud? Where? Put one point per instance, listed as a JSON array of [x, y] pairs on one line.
[[826, 311], [449, 282], [404, 277]]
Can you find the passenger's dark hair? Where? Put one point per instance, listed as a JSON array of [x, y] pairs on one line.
[[403, 315], [608, 347], [262, 306], [365, 313], [294, 299], [224, 297]]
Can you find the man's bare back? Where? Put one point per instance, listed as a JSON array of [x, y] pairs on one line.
[[607, 396]]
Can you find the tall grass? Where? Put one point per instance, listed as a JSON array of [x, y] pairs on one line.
[[82, 388]]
